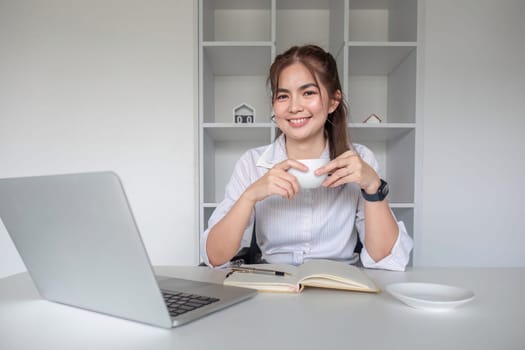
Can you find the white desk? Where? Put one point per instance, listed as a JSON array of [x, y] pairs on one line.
[[315, 319]]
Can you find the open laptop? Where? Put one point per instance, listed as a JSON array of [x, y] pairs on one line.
[[79, 241]]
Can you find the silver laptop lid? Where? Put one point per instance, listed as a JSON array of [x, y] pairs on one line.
[[80, 244]]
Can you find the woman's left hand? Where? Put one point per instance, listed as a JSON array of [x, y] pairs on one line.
[[349, 167]]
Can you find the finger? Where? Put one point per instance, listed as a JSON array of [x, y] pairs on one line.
[[349, 153], [280, 191], [330, 167], [341, 175], [340, 172], [284, 180], [285, 175], [291, 163], [294, 182], [342, 161], [342, 181], [285, 188]]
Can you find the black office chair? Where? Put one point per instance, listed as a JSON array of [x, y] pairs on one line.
[[251, 254], [248, 255]]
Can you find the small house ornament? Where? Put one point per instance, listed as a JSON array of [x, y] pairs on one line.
[[243, 113], [372, 119]]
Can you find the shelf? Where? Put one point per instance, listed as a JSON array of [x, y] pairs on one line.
[[303, 4], [382, 20], [239, 132], [221, 20], [309, 21], [375, 43], [229, 44], [384, 132], [402, 205], [238, 4], [238, 58], [371, 58]]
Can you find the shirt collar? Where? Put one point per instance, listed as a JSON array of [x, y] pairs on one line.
[[276, 153]]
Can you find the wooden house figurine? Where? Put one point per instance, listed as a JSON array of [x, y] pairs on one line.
[[243, 113]]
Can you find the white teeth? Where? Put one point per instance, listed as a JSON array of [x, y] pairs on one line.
[[297, 121]]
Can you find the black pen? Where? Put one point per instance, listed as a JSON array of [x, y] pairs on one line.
[[248, 269]]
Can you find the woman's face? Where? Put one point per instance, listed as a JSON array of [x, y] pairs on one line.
[[300, 105]]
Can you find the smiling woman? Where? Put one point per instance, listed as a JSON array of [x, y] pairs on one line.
[[297, 224], [313, 73]]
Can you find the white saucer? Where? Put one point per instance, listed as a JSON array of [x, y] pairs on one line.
[[430, 296]]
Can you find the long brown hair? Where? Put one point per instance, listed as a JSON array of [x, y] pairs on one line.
[[322, 66]]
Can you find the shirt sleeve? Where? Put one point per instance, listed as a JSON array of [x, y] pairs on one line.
[[399, 256], [239, 181]]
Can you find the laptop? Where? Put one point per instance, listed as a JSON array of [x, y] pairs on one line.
[[79, 241]]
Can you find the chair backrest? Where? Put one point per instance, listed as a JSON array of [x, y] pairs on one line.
[[251, 254]]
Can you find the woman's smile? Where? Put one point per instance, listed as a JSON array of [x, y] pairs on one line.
[[298, 122]]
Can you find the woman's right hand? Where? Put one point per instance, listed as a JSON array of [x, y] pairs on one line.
[[276, 181]]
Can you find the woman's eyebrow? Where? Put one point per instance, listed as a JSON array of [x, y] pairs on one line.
[[302, 87], [309, 85]]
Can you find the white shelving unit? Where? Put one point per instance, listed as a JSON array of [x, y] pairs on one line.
[[375, 43]]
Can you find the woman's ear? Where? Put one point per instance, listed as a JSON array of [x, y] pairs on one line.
[[334, 102]]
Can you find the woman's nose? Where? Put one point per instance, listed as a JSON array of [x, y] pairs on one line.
[[295, 105]]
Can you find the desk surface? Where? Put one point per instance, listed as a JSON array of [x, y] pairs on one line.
[[315, 319]]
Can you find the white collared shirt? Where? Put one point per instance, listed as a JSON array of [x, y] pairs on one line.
[[319, 223]]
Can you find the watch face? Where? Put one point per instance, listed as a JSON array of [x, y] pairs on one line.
[[384, 189]]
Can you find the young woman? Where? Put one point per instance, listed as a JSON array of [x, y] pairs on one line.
[[294, 225]]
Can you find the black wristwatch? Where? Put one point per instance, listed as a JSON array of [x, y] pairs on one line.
[[381, 193]]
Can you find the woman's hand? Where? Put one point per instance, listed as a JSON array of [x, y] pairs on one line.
[[349, 167], [276, 181]]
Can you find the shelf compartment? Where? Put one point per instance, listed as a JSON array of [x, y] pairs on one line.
[[407, 216], [222, 148], [370, 58], [232, 75], [381, 80], [394, 149], [238, 58], [384, 132], [206, 213], [309, 22], [236, 20], [382, 20]]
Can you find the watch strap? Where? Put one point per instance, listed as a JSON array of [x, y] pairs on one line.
[[381, 193]]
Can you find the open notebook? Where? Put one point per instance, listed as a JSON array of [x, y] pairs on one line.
[[293, 279]]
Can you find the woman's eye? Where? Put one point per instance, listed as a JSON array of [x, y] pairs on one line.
[[310, 93], [281, 97]]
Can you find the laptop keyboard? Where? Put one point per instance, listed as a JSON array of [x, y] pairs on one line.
[[179, 303]]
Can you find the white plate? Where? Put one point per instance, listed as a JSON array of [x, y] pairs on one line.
[[430, 296]]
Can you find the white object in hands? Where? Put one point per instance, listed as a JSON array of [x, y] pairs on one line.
[[430, 296], [308, 179]]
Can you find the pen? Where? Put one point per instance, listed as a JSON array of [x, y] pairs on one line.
[[258, 270]]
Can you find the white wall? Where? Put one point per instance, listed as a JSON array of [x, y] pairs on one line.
[[109, 84], [99, 85], [474, 122]]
